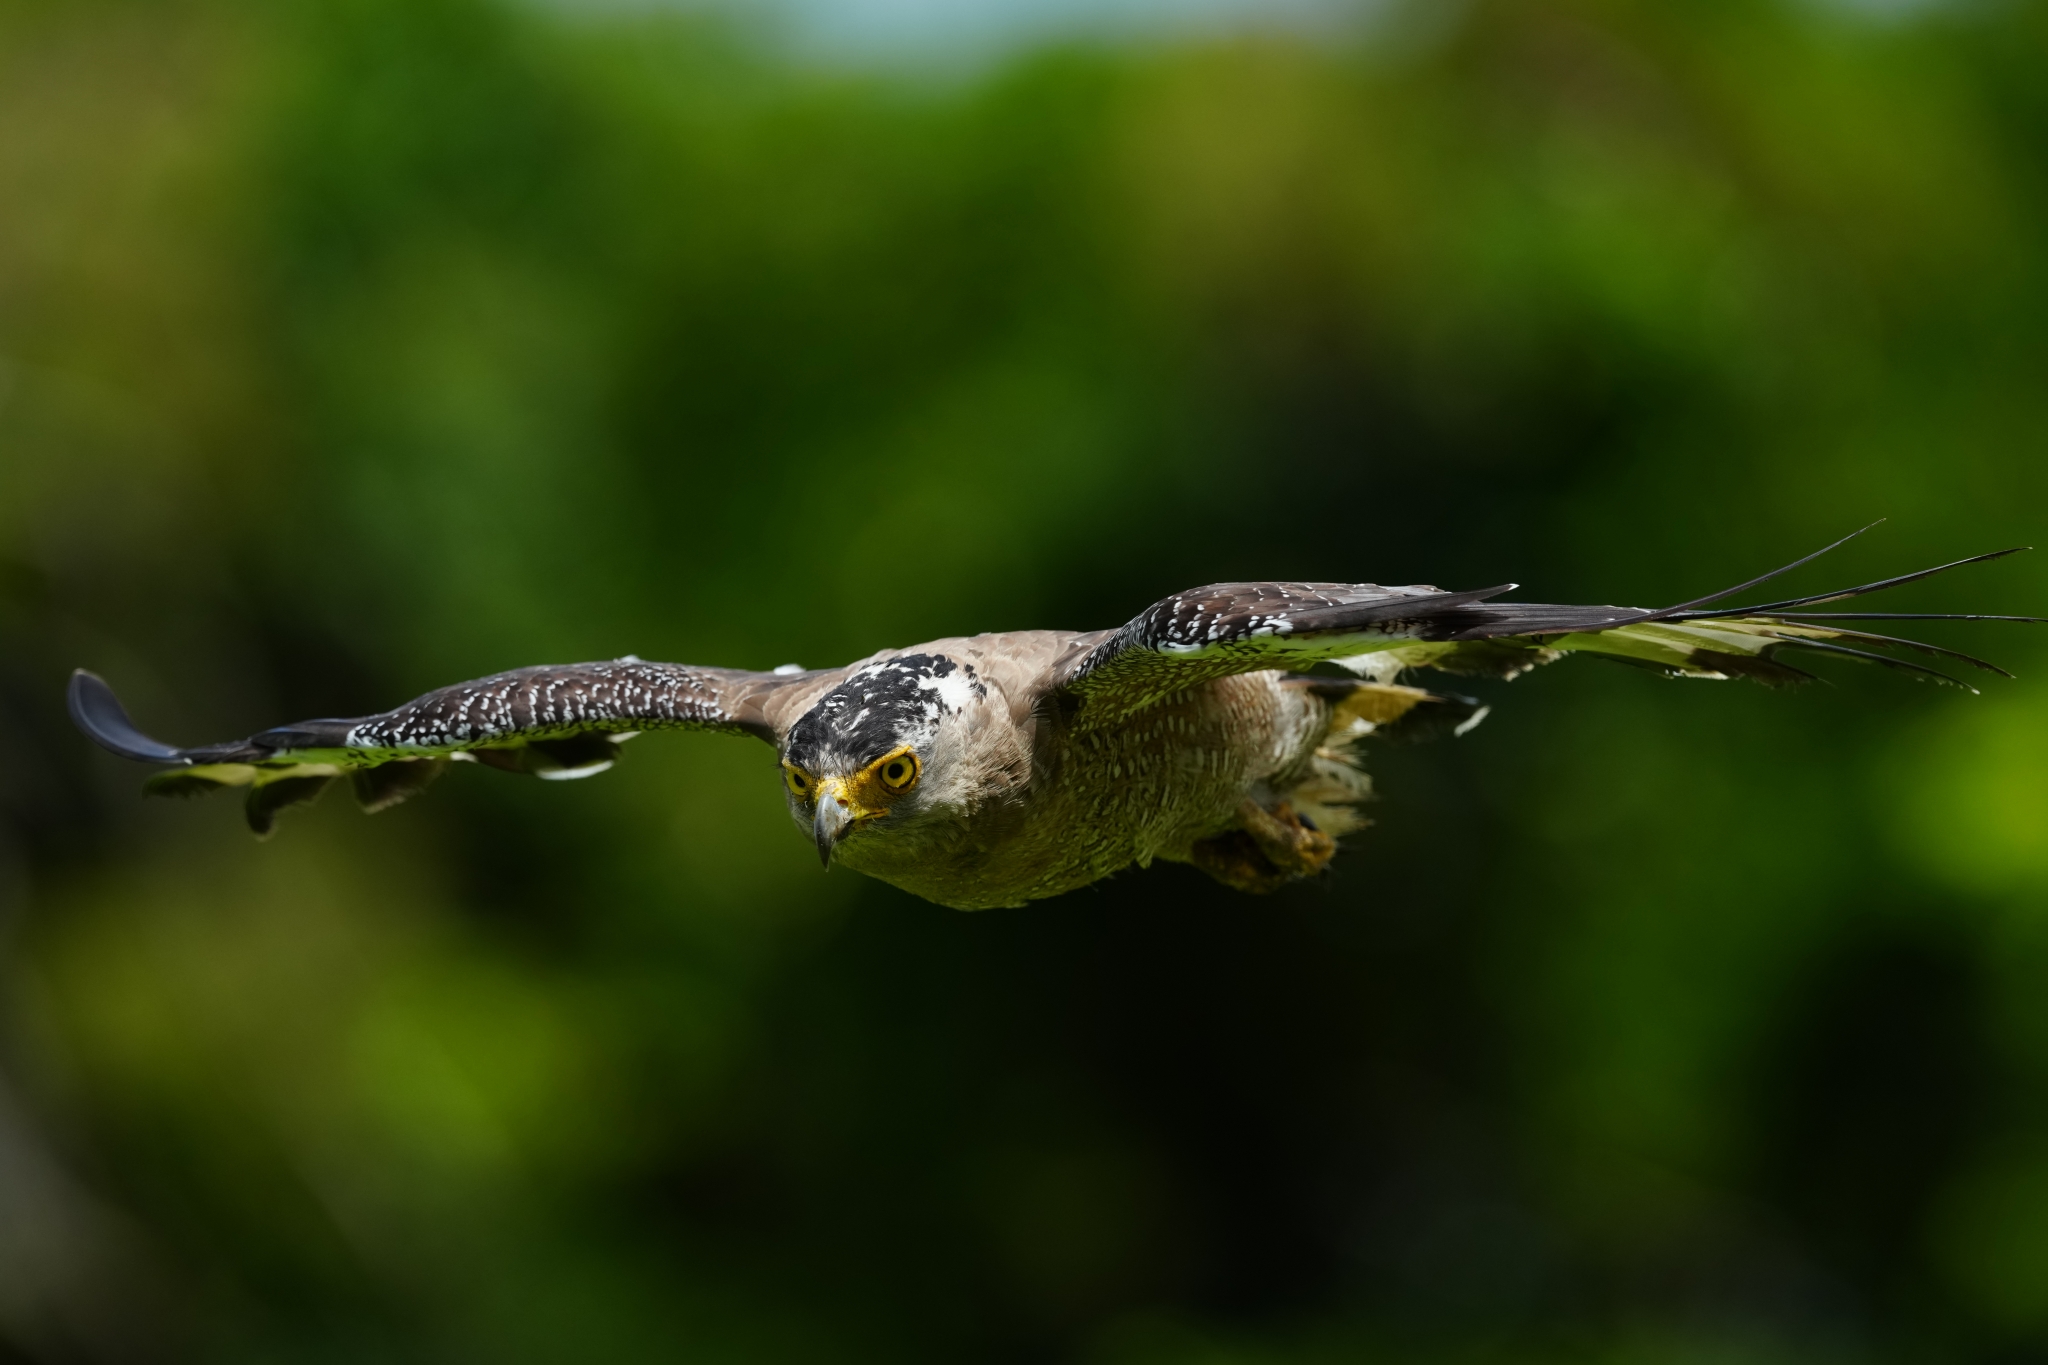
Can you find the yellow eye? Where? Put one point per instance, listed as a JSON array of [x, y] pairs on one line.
[[799, 781], [899, 771]]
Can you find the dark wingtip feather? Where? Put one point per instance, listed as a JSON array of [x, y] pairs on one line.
[[1885, 660], [381, 788], [1938, 651], [267, 800], [1904, 616], [99, 713], [1673, 613], [1680, 613], [1766, 668], [177, 782]]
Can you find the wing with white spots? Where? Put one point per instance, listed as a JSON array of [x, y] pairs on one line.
[[1206, 633], [1210, 632], [553, 721]]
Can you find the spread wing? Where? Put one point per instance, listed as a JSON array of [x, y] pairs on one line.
[[553, 721], [1206, 633]]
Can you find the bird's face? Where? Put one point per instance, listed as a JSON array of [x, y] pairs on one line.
[[875, 757]]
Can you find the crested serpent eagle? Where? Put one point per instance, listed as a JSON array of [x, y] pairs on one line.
[[998, 769]]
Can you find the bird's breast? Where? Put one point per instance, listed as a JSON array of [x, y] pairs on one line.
[[1081, 804]]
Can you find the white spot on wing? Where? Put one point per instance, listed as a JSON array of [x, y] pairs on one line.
[[571, 774]]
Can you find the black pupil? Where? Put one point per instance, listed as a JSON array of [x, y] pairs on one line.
[[895, 772]]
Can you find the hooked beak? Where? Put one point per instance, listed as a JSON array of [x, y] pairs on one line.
[[836, 815]]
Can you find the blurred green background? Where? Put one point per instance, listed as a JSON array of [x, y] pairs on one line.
[[353, 347]]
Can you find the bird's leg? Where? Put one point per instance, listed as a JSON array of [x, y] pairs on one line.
[[1290, 843], [1267, 851], [1233, 858]]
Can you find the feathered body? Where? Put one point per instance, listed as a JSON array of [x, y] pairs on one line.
[[997, 769], [1034, 803]]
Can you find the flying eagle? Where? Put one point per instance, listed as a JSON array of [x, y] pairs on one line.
[[999, 769]]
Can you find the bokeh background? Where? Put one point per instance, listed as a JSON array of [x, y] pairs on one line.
[[353, 347]]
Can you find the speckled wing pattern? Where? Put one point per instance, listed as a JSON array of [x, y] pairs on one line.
[[1205, 633], [552, 721], [1209, 632]]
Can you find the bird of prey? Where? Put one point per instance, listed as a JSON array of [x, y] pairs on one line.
[[998, 769]]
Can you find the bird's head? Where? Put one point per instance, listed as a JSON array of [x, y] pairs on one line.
[[880, 754]]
